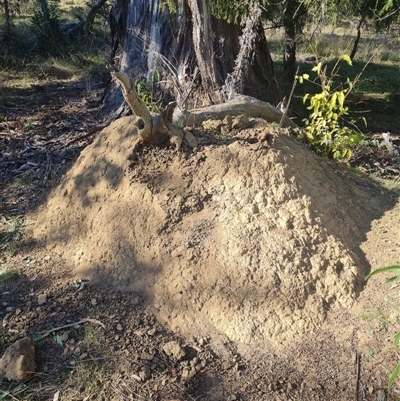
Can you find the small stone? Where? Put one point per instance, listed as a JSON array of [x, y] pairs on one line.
[[119, 327], [179, 251], [18, 361], [137, 378], [240, 122], [145, 373], [152, 332], [174, 350], [18, 311], [203, 341], [381, 395], [185, 373], [93, 301], [225, 130], [195, 361], [190, 139], [227, 121], [146, 356], [64, 336], [42, 299], [211, 125]]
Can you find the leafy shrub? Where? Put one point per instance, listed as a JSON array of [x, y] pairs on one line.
[[324, 129], [46, 23], [145, 90]]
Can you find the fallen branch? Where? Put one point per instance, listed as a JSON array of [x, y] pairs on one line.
[[247, 105], [87, 320], [90, 133]]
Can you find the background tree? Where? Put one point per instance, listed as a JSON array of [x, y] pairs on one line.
[[382, 13], [191, 45]]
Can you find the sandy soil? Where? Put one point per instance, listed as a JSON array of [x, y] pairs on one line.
[[247, 250]]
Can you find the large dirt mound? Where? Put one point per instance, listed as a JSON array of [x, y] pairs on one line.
[[251, 234]]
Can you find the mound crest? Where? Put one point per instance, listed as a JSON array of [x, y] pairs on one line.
[[251, 235]]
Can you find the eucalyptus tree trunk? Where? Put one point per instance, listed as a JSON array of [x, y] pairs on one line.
[[191, 51], [45, 10], [360, 24], [203, 47], [7, 18], [289, 22]]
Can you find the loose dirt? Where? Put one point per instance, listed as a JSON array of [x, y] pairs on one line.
[[249, 235], [247, 250]]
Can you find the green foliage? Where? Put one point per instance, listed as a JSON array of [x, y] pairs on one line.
[[145, 90], [6, 274], [30, 125], [10, 235], [172, 5], [382, 12], [46, 23], [235, 11], [231, 11], [12, 391], [324, 129], [389, 269]]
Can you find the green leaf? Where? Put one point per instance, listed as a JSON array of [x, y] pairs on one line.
[[394, 279], [347, 59], [393, 376], [380, 317], [317, 68], [340, 96], [333, 99], [387, 269], [396, 341]]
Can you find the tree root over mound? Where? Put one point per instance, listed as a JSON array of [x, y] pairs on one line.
[[154, 130]]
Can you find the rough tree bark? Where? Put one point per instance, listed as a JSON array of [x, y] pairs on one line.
[[291, 23], [7, 18], [152, 130], [146, 37], [204, 47]]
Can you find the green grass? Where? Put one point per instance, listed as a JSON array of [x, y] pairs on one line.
[[10, 235], [6, 274]]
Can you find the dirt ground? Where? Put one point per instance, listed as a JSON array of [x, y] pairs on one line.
[[230, 270]]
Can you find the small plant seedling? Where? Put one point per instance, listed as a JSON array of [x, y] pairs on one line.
[[30, 125], [324, 130], [389, 269], [145, 91], [6, 274], [10, 235], [372, 352]]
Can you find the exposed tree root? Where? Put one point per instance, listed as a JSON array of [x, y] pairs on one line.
[[154, 130]]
